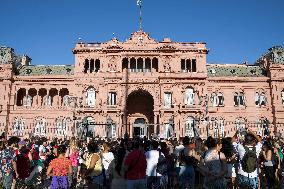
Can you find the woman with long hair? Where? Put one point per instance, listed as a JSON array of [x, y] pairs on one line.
[[215, 165], [59, 168], [74, 156], [94, 166], [268, 164]]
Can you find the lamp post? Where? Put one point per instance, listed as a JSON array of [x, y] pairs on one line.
[[109, 127], [171, 123], [75, 106]]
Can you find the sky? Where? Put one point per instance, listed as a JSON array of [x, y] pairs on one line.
[[234, 30]]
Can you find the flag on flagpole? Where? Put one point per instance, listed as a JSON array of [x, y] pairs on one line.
[[139, 2]]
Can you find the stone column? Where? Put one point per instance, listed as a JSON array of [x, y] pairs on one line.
[[37, 97], [143, 64], [58, 99]]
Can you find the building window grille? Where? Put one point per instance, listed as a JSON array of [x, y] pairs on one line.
[[263, 127], [40, 128], [189, 97], [239, 99], [260, 99], [18, 127], [61, 127], [240, 124], [91, 97], [218, 126], [112, 98], [168, 99], [190, 127]]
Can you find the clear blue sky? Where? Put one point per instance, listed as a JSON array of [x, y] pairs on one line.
[[234, 30]]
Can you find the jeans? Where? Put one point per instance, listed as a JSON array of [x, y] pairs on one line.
[[186, 176], [246, 182], [136, 184], [153, 180]]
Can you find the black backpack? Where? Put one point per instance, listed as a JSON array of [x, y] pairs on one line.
[[249, 161], [162, 166]]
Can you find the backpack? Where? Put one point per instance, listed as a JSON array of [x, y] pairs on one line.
[[249, 161], [162, 167]]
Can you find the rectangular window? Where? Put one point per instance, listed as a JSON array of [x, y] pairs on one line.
[[112, 98], [168, 99]]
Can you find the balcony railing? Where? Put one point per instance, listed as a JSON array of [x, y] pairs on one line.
[[139, 70]]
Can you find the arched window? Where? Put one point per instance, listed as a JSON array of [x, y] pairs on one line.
[[40, 128], [124, 63], [189, 97], [97, 65], [86, 66], [20, 96], [18, 127], [64, 97], [217, 99], [239, 99], [140, 65], [91, 97], [190, 129], [155, 63], [260, 99]]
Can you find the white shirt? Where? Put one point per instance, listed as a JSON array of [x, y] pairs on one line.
[[178, 149], [241, 152], [107, 158], [152, 158]]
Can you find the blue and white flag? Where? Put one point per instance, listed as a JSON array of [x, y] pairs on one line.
[[139, 2]]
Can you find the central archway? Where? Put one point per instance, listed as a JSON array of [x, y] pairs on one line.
[[140, 106]]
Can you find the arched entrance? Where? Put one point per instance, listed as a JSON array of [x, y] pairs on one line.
[[140, 113]]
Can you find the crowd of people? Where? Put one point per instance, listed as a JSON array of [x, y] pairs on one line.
[[244, 160]]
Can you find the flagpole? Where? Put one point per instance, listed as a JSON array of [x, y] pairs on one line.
[[139, 3], [140, 17]]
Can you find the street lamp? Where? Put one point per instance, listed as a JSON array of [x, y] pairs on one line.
[[171, 123], [109, 123]]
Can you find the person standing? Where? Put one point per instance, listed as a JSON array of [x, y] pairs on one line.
[[59, 168], [215, 165], [268, 164], [117, 167], [187, 161], [8, 165], [152, 157], [107, 158], [248, 168], [135, 166]]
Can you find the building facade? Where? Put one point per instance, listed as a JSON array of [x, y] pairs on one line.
[[141, 87]]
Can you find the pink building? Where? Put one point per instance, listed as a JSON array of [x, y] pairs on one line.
[[141, 87]]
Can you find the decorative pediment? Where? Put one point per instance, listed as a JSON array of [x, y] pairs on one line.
[[140, 37], [166, 47], [113, 44]]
